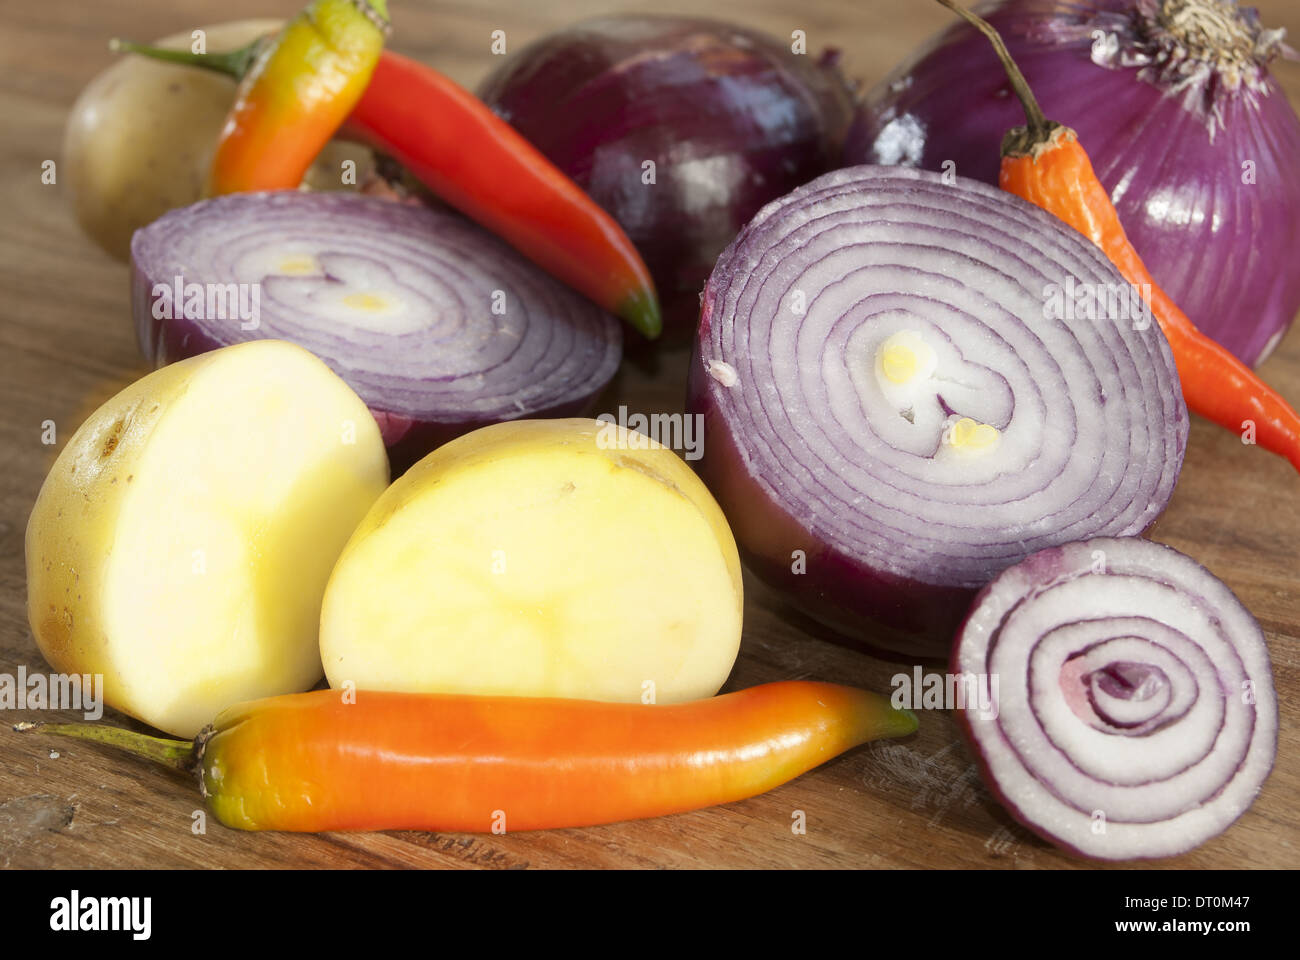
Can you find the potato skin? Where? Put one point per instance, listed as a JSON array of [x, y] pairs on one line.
[[140, 137]]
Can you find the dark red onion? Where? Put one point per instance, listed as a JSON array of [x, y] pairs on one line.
[[464, 331], [730, 117], [1135, 716], [808, 449], [1168, 134]]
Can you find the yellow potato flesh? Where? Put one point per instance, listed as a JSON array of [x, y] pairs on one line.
[[524, 559], [181, 543]]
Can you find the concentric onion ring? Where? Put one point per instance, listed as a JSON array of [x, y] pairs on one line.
[[1136, 715], [439, 326], [1069, 428]]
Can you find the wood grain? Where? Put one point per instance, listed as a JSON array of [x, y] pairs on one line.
[[66, 344]]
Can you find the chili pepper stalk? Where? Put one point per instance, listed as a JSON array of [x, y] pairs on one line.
[[400, 761], [1044, 163], [468, 156]]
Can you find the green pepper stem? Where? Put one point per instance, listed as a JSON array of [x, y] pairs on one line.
[[1039, 126], [173, 753], [233, 63]]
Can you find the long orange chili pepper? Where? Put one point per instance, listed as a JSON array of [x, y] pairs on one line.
[[405, 761], [1045, 164], [455, 145]]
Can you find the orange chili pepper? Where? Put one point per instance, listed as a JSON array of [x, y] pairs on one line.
[[294, 92], [409, 761], [1044, 163]]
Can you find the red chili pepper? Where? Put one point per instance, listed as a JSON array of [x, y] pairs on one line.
[[403, 761], [1045, 164], [457, 147]]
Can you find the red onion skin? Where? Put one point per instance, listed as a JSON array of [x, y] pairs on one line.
[[730, 117], [1235, 281], [1045, 567]]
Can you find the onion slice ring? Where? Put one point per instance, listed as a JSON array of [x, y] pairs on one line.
[[1136, 715]]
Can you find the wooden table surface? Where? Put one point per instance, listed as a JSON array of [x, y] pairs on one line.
[[66, 344]]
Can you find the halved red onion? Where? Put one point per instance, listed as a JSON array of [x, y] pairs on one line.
[[439, 326], [890, 418], [1136, 715]]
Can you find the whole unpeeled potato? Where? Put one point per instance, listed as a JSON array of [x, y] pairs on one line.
[[141, 135]]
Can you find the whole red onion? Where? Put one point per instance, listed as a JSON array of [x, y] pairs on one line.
[[1173, 101], [729, 117]]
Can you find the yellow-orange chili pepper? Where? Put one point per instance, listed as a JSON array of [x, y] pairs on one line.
[[296, 89], [408, 761]]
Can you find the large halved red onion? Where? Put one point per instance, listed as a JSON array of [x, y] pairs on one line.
[[723, 118], [1185, 126], [1135, 714], [868, 501], [439, 326]]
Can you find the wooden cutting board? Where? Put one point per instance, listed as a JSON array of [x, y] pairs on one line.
[[66, 345]]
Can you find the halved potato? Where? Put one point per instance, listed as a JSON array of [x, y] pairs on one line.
[[562, 558], [181, 543]]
